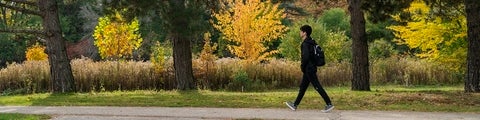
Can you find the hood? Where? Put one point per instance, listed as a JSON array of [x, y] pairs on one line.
[[310, 41]]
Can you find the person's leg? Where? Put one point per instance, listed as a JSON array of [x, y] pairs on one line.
[[303, 88], [316, 84]]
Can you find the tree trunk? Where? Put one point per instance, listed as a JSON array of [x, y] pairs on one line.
[[182, 60], [473, 56], [60, 70], [361, 74], [182, 54]]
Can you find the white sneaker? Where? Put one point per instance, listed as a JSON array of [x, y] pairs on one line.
[[328, 108], [291, 106]]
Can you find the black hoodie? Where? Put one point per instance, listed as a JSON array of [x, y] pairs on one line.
[[307, 55]]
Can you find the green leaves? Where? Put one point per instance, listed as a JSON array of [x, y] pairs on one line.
[[335, 43]]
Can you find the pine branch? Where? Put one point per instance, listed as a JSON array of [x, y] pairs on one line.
[[24, 10], [37, 32], [23, 2]]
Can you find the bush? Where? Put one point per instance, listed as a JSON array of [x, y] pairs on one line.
[[11, 51], [206, 64], [36, 52], [337, 47], [240, 82], [290, 45], [336, 44], [380, 49], [337, 20]]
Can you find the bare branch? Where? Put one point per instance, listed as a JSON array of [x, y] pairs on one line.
[[37, 32], [23, 2], [21, 9]]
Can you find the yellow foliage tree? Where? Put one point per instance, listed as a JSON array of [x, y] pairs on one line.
[[437, 39], [249, 24], [207, 53], [160, 55], [116, 38], [36, 52], [206, 62]]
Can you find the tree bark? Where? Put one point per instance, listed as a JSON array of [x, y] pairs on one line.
[[472, 8], [60, 69], [182, 54], [182, 60], [361, 74]]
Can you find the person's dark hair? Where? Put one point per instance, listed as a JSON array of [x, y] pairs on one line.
[[307, 29]]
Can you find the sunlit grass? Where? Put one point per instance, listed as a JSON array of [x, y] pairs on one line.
[[16, 116], [391, 98]]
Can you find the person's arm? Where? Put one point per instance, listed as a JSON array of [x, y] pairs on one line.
[[305, 56]]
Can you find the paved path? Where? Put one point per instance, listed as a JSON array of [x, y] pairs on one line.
[[185, 113]]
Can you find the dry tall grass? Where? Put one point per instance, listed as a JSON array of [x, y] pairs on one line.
[[409, 71], [29, 77], [120, 75], [33, 76]]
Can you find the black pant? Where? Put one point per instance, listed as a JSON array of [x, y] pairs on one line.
[[311, 77]]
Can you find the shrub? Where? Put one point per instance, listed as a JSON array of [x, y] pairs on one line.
[[336, 44], [337, 47], [115, 38], [206, 64], [380, 49], [240, 82], [337, 20], [290, 44], [36, 52], [161, 53], [11, 50]]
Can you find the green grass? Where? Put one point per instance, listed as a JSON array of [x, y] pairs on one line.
[[390, 98], [17, 116]]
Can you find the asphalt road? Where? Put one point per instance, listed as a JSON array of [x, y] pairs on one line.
[[188, 113]]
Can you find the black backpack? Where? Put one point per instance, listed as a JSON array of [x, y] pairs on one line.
[[318, 56]]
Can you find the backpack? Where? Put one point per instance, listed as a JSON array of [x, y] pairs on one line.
[[318, 56]]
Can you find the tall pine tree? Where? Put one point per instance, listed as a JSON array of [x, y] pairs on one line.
[[60, 69]]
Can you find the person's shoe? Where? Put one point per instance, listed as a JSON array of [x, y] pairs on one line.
[[291, 106], [328, 108]]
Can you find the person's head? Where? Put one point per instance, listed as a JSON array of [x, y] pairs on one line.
[[305, 31]]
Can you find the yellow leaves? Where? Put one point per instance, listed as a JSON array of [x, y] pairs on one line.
[[436, 39], [423, 35], [249, 24], [207, 52], [36, 52], [207, 58], [159, 57], [419, 9], [117, 38]]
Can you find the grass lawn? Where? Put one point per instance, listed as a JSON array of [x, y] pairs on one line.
[[16, 116], [390, 98]]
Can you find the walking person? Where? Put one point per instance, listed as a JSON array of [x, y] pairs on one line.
[[309, 70]]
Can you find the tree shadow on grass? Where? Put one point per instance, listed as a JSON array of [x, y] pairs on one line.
[[141, 98]]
